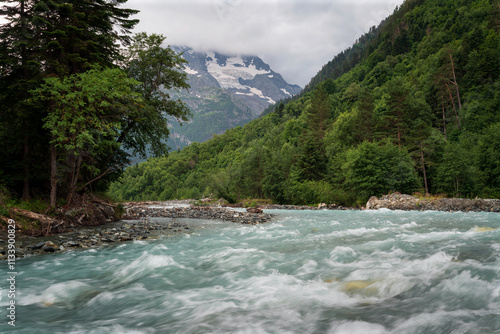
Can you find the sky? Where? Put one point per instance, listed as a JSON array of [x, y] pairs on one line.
[[295, 37]]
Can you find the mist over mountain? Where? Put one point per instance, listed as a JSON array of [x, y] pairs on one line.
[[226, 91]]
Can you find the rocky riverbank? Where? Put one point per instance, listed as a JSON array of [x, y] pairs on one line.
[[321, 206], [143, 220], [92, 237], [142, 210], [398, 201]]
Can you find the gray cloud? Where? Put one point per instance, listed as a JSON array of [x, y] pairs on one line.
[[296, 37]]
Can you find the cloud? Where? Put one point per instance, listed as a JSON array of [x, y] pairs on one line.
[[296, 37]]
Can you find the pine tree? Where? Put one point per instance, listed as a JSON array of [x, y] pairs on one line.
[[312, 160]]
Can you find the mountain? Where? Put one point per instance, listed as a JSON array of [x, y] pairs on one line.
[[226, 91], [412, 106]]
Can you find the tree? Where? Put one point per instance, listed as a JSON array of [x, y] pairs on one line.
[[422, 143], [489, 159], [158, 69], [446, 80], [18, 73], [81, 109], [312, 154], [378, 168], [395, 120], [455, 172], [251, 170]]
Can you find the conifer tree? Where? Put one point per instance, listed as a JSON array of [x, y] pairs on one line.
[[312, 160]]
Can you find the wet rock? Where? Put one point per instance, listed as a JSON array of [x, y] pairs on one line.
[[50, 247], [38, 245], [255, 210]]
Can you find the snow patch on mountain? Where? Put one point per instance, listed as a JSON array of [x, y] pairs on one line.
[[189, 70], [231, 70], [285, 91]]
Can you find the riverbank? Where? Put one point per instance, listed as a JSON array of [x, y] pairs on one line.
[[399, 201], [142, 220]]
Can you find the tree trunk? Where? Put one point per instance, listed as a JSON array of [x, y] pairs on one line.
[[455, 82], [26, 168], [423, 169], [53, 176], [444, 117], [74, 179], [453, 104]]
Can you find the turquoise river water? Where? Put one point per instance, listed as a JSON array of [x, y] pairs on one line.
[[305, 272]]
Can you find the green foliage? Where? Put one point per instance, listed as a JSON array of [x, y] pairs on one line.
[[412, 105], [455, 172], [62, 92], [375, 169], [156, 68], [489, 160], [86, 105]]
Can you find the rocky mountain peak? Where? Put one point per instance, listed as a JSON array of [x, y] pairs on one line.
[[226, 91]]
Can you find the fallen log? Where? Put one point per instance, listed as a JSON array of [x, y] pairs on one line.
[[6, 220], [44, 220]]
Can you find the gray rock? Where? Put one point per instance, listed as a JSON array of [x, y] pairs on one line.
[[38, 245]]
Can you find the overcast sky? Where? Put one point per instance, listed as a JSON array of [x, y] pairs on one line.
[[295, 37]]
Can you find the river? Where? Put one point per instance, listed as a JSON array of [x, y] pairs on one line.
[[305, 272]]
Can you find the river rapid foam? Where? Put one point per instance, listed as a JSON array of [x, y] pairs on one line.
[[305, 272]]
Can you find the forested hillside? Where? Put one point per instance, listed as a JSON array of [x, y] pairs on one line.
[[413, 106]]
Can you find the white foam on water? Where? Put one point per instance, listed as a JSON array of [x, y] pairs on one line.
[[431, 321], [232, 259], [359, 231], [311, 272], [114, 329], [410, 225], [356, 327], [434, 264], [465, 289], [143, 266], [65, 294], [310, 266], [139, 242], [160, 247], [343, 254]]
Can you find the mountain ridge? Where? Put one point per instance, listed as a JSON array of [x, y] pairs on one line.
[[226, 91]]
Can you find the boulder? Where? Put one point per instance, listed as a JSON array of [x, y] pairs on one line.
[[254, 210], [372, 202]]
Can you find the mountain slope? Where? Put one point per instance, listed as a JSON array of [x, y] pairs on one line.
[[226, 91], [414, 108]]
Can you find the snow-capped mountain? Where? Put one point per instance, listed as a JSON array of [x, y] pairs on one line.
[[226, 91]]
